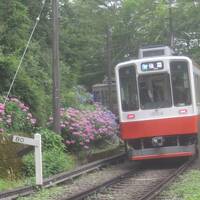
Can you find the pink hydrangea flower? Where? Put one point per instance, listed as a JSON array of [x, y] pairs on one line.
[[82, 127], [33, 121], [68, 142], [2, 108], [62, 125]]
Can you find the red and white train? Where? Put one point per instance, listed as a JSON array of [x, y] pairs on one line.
[[159, 104]]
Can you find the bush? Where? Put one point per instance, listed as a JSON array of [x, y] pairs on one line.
[[54, 161], [15, 116], [77, 97], [54, 158], [51, 140], [29, 87], [10, 164], [83, 129]]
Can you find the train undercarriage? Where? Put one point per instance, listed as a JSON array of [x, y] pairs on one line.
[[162, 147]]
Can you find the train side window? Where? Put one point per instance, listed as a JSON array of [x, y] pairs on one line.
[[180, 83], [96, 96], [128, 88], [197, 91], [196, 81]]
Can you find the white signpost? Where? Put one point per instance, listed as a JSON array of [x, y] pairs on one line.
[[36, 142]]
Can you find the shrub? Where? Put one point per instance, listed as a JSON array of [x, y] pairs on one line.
[[32, 86], [10, 164], [82, 129], [54, 158], [15, 116], [51, 140], [54, 161], [77, 97]]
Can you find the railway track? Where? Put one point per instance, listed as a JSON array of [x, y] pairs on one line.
[[62, 177], [125, 180], [139, 183]]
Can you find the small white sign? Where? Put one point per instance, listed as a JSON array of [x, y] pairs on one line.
[[24, 140], [38, 153]]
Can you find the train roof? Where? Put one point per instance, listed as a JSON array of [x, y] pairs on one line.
[[152, 59], [102, 85], [154, 51]]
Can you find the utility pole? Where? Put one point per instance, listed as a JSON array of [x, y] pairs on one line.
[[109, 67], [55, 69], [171, 31]]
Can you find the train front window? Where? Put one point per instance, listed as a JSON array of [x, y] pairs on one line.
[[154, 91], [180, 83], [128, 88]]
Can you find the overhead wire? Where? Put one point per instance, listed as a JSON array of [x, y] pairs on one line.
[[25, 50]]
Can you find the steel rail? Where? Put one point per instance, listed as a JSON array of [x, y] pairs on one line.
[[98, 188], [164, 183], [148, 196], [62, 177]]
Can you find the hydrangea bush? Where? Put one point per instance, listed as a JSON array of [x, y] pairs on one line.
[[15, 116], [82, 129]]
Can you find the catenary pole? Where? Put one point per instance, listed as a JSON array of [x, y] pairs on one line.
[[55, 69], [171, 31], [109, 65]]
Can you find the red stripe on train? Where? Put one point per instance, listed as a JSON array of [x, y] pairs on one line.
[[167, 155], [150, 128]]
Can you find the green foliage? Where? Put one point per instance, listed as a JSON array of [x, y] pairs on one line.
[[45, 194], [83, 47], [32, 81], [51, 140], [187, 188], [10, 164], [14, 26], [83, 37], [29, 165], [19, 120], [24, 87], [9, 184], [15, 117], [54, 161], [147, 22], [77, 97]]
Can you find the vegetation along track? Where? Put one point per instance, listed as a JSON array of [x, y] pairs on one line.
[[63, 177], [141, 182]]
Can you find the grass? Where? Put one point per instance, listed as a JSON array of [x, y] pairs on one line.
[[187, 188], [52, 192], [11, 184], [7, 184], [45, 194], [100, 151], [106, 148]]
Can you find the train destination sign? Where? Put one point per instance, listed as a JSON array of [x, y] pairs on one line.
[[152, 66]]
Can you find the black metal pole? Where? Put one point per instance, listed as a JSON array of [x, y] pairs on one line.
[[55, 69], [109, 69], [171, 31]]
